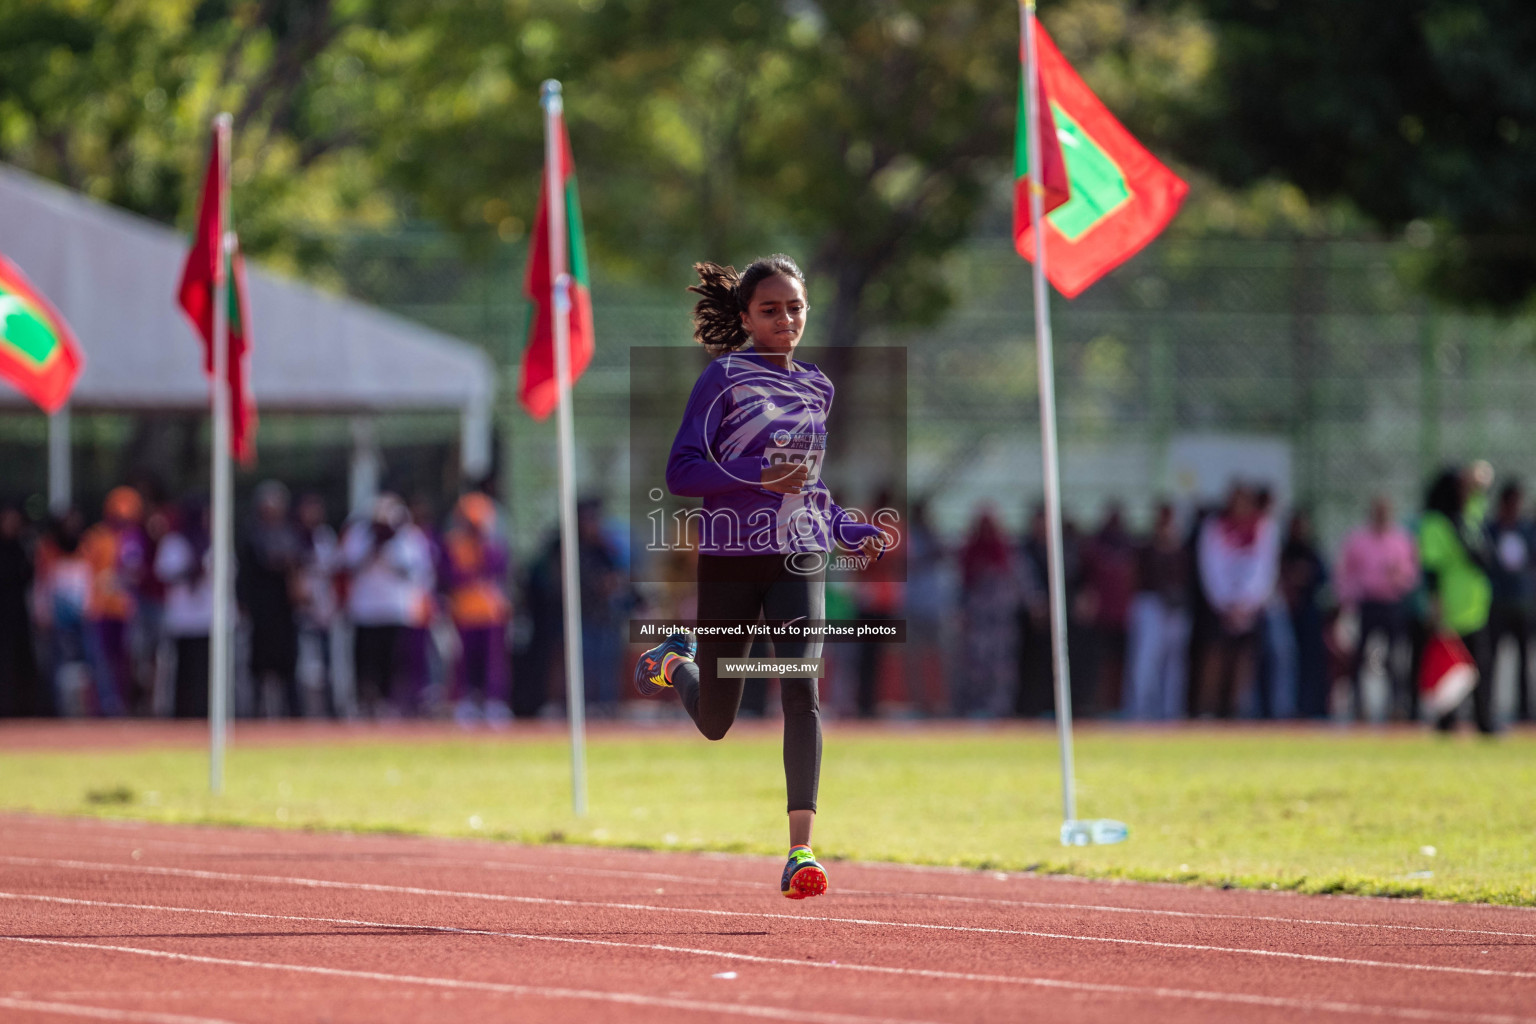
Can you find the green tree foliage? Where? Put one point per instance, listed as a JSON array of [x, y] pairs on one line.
[[870, 136], [114, 98], [1419, 112], [881, 135], [886, 135]]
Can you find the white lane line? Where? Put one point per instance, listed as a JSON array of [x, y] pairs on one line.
[[411, 890], [130, 839], [496, 987], [62, 995], [656, 876], [1140, 992], [104, 1012], [1207, 915], [132, 825], [406, 859]]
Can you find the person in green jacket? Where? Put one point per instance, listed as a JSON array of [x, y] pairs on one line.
[[1453, 556]]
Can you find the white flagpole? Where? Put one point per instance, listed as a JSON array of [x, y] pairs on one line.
[[1049, 460], [220, 646], [60, 486], [560, 281]]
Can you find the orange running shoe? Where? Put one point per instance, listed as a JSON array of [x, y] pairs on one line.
[[803, 877], [649, 676]]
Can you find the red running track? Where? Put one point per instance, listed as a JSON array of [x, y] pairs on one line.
[[133, 922]]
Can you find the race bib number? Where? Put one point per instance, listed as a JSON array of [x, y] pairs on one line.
[[786, 448]]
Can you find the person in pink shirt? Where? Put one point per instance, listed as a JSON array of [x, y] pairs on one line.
[[1378, 569]]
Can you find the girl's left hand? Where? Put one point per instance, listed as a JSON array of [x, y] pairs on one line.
[[873, 547]]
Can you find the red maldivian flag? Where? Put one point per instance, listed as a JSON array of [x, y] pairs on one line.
[[196, 294], [539, 391], [1120, 195], [38, 351]]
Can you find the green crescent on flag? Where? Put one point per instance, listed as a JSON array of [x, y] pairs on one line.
[[1116, 197], [38, 351]]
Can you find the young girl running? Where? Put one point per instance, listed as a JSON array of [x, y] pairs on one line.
[[751, 444]]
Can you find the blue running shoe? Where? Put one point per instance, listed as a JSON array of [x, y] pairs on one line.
[[648, 675], [803, 877]]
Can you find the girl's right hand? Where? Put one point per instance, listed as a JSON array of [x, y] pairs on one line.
[[785, 477]]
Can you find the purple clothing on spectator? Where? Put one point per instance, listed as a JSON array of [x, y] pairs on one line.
[[493, 567], [112, 666], [415, 672], [745, 414], [484, 660]]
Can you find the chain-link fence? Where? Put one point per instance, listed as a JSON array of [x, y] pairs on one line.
[[1308, 366]]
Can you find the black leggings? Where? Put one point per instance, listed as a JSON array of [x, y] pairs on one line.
[[742, 588], [1385, 617], [191, 690], [373, 663]]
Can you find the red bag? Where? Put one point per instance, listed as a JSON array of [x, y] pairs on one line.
[[1447, 674]]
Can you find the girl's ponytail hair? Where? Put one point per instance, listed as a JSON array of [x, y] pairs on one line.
[[724, 295], [717, 314]]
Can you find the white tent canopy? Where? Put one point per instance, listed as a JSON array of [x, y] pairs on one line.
[[114, 276]]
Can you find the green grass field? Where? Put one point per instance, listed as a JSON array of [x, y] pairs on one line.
[[1399, 813]]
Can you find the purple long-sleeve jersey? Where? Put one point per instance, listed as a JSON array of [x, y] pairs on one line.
[[745, 414]]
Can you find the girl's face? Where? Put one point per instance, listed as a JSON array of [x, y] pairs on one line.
[[775, 318]]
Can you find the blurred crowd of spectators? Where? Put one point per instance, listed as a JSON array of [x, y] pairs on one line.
[[1234, 613], [1213, 612], [392, 616]]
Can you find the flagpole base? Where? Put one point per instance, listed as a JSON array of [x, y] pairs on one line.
[[1093, 832]]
